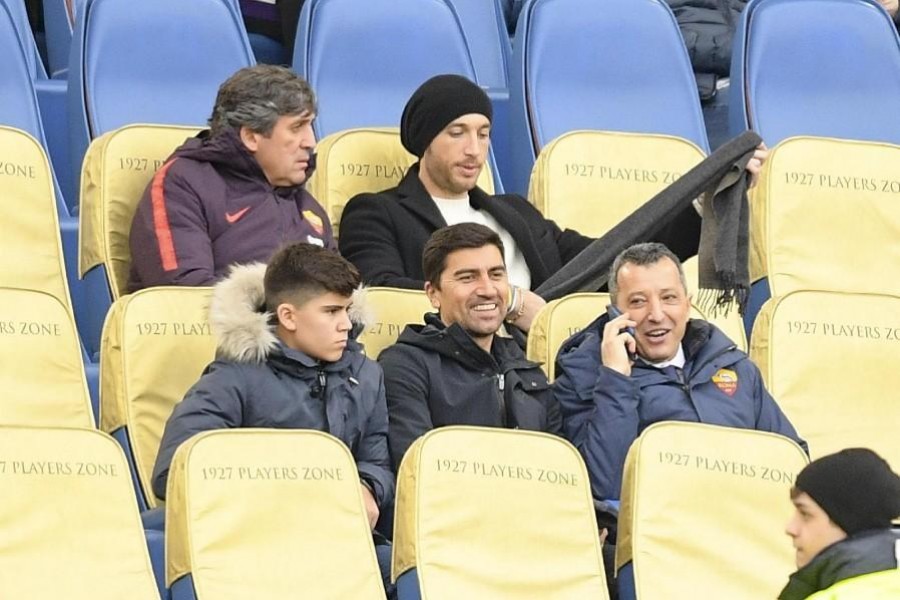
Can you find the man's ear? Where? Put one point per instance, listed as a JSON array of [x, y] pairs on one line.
[[433, 295], [285, 314], [250, 138]]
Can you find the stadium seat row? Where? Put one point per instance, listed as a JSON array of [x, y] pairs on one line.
[[481, 513]]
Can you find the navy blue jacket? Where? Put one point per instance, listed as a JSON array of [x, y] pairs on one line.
[[256, 381], [605, 411]]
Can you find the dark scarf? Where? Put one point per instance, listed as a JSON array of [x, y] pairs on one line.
[[866, 552], [724, 240]]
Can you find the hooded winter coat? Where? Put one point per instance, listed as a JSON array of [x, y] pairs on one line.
[[605, 411], [861, 567], [210, 206], [437, 376], [257, 381]]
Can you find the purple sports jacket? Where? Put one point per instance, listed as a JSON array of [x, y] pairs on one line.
[[210, 206]]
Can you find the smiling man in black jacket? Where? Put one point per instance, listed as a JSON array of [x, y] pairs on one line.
[[455, 369]]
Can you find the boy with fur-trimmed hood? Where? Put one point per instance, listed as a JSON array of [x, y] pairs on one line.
[[286, 358]]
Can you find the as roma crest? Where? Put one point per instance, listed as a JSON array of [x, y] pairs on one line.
[[726, 380], [315, 221]]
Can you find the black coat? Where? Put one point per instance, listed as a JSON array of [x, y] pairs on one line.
[[384, 234], [708, 28], [436, 376]]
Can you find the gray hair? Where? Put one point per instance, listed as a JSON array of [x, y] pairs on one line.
[[255, 97], [648, 253]]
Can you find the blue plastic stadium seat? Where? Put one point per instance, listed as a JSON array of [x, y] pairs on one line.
[[485, 29], [58, 19], [149, 62], [364, 59], [51, 94], [617, 65], [20, 109], [816, 67]]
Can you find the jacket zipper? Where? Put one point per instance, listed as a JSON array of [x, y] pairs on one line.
[[501, 385]]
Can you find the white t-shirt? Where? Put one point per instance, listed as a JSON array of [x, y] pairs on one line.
[[460, 211]]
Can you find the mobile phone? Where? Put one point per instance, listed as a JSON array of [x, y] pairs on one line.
[[613, 311]]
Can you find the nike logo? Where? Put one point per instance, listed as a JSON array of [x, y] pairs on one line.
[[234, 217]]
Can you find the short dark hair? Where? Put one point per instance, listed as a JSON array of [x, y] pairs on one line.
[[647, 253], [255, 97], [300, 272], [446, 240]]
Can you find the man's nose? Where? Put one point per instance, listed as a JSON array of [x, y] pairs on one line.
[[655, 312]]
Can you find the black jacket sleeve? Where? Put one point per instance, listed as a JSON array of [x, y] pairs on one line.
[[368, 239], [372, 457], [407, 387]]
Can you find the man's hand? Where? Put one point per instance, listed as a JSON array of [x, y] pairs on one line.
[[533, 304], [754, 167], [890, 6], [617, 344], [371, 506]]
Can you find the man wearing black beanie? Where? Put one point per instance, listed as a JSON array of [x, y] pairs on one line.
[[841, 529], [446, 123]]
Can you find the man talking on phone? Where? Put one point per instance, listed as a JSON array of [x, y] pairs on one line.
[[653, 363]]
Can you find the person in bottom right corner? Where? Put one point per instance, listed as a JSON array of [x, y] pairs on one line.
[[841, 529]]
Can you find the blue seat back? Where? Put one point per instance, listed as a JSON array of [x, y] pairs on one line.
[[364, 59], [149, 62], [617, 65], [58, 32], [20, 19], [19, 105], [816, 67], [485, 28]]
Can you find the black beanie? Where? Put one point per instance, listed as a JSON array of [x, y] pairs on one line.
[[435, 105], [855, 487]]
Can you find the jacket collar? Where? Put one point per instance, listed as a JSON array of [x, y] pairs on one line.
[[416, 199], [242, 327], [455, 343], [864, 553], [227, 151]]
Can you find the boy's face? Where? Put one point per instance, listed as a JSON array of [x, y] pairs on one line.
[[811, 529], [319, 327]]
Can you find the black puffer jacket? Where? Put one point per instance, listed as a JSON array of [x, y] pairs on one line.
[[708, 29], [436, 376]]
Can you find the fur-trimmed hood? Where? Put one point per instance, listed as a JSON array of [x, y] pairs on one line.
[[242, 326]]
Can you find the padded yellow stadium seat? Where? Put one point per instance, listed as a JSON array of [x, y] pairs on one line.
[[117, 168], [591, 180], [559, 320], [392, 309], [496, 513], [155, 345], [356, 161], [29, 230], [70, 526], [41, 369], [255, 513], [830, 360], [562, 318], [825, 216], [703, 512]]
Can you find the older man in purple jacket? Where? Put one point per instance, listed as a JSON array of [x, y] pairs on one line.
[[233, 194]]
